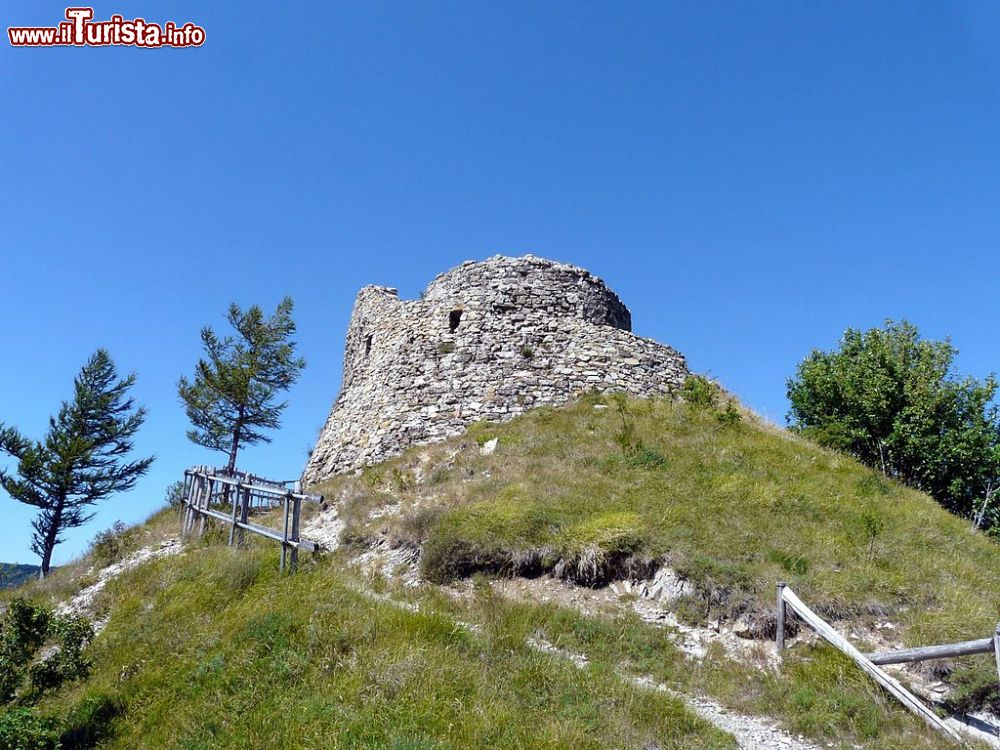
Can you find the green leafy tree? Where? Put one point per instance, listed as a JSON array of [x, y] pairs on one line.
[[894, 400], [233, 396], [83, 458]]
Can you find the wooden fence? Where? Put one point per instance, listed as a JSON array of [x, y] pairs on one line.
[[231, 499], [869, 663]]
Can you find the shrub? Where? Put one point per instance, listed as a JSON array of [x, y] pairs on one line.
[[646, 458], [874, 524], [634, 451], [446, 347], [24, 629], [700, 391], [730, 415], [23, 729], [527, 352], [111, 545], [72, 633], [626, 437]]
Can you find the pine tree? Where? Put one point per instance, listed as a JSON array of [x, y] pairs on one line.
[[233, 396], [83, 458]]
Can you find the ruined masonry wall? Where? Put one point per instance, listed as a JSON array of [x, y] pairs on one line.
[[487, 340]]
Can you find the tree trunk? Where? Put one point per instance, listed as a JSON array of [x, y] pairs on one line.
[[231, 466], [49, 543], [46, 560], [237, 434]]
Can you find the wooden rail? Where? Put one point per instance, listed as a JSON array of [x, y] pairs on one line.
[[867, 662], [944, 651], [234, 496]]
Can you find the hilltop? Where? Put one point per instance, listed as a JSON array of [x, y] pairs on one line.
[[596, 575]]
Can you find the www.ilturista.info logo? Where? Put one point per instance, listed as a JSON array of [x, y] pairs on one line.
[[80, 30]]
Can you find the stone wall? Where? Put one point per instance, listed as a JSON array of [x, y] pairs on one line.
[[486, 340]]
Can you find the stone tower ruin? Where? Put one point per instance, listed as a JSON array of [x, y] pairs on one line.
[[485, 341]]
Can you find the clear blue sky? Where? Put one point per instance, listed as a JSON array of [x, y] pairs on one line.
[[751, 178]]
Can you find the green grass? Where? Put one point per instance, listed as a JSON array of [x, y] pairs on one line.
[[66, 580], [213, 649], [735, 505], [818, 692]]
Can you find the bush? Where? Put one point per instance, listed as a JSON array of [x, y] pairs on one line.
[[700, 391], [111, 545], [24, 629], [634, 451], [23, 729], [72, 633], [646, 458], [730, 415]]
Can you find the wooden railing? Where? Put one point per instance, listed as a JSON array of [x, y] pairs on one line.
[[869, 663], [208, 491]]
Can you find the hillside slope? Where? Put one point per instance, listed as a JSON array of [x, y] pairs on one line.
[[14, 574], [605, 490], [491, 591]]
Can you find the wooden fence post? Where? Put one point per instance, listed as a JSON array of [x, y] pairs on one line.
[[284, 535], [193, 499], [206, 498], [185, 490], [244, 515], [296, 517], [779, 625], [185, 499], [891, 684], [236, 510], [996, 648]]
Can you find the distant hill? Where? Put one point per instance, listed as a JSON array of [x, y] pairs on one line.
[[14, 574]]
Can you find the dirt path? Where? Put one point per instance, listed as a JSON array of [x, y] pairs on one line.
[[83, 602], [750, 732]]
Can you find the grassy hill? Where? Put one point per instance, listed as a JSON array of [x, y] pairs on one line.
[[212, 648], [14, 574], [734, 506]]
